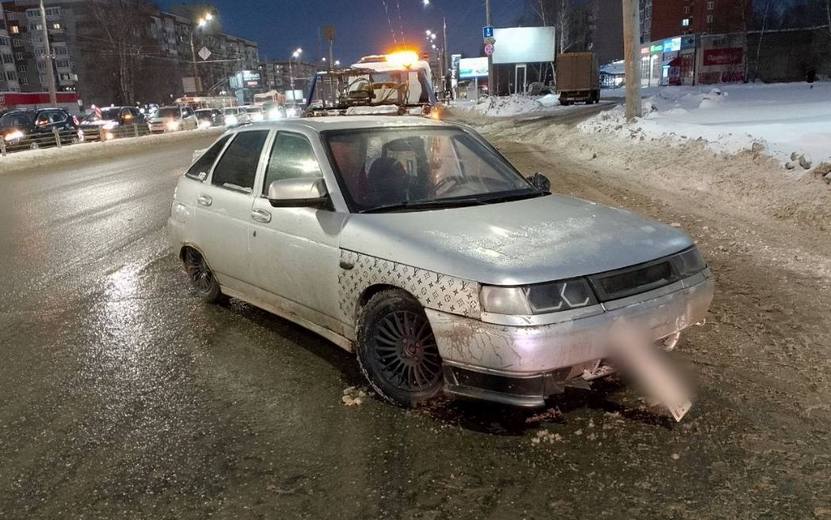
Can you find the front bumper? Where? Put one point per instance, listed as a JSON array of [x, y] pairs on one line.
[[523, 365]]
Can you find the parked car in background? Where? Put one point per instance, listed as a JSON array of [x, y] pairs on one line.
[[108, 123], [235, 116], [173, 119], [35, 128], [210, 117], [256, 113], [416, 245]]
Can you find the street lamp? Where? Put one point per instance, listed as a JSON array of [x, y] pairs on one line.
[[295, 55], [202, 22], [432, 36]]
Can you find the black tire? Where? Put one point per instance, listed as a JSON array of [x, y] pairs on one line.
[[201, 277], [397, 351]]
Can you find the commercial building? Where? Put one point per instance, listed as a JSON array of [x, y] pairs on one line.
[[662, 19], [277, 75], [132, 54]]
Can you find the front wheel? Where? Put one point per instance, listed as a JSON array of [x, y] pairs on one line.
[[397, 351]]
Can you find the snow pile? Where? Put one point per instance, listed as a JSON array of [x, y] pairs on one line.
[[790, 122], [508, 106]]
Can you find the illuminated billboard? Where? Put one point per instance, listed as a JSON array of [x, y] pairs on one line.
[[470, 68], [524, 44]]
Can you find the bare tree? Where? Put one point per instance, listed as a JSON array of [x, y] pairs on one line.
[[122, 24]]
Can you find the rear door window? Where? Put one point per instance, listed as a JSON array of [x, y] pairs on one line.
[[202, 168], [237, 168]]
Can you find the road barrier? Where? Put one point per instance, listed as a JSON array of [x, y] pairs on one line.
[[60, 138]]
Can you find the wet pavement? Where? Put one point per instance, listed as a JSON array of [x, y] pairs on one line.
[[126, 397]]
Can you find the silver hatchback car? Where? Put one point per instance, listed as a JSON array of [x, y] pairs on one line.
[[416, 245]]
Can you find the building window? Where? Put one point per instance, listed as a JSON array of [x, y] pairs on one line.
[[709, 18], [8, 58], [5, 41], [62, 64], [22, 68], [56, 26], [11, 75], [14, 29], [19, 56], [711, 5], [686, 22], [60, 51]]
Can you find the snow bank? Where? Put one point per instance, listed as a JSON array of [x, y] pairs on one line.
[[782, 119], [25, 160], [508, 106]]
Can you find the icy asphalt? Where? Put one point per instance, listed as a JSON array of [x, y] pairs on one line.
[[123, 396]]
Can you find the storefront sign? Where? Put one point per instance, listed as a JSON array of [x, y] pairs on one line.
[[733, 56]]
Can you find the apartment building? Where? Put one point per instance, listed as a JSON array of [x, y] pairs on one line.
[[86, 59]]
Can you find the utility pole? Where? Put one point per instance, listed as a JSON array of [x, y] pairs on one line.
[[632, 45], [47, 57], [444, 56], [491, 88]]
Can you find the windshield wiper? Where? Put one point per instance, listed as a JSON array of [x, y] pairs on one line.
[[426, 204]]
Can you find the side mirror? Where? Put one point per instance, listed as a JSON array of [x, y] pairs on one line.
[[540, 182], [303, 192]]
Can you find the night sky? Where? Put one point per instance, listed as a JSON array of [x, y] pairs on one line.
[[280, 26]]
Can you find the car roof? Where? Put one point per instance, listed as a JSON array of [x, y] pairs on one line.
[[322, 124]]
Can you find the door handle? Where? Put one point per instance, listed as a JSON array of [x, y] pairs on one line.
[[261, 216], [205, 200]]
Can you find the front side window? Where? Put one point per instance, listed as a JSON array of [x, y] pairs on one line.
[[202, 167], [238, 166], [291, 157], [417, 168]]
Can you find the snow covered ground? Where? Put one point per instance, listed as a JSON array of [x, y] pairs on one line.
[[509, 106], [785, 119]]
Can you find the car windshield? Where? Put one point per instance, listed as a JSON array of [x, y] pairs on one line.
[[253, 110], [168, 112], [17, 120], [420, 168], [204, 114], [231, 111], [109, 114]]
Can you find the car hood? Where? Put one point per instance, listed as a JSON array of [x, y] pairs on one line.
[[522, 242], [102, 122]]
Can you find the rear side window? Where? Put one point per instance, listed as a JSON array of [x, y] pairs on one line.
[[238, 166], [202, 167], [291, 157]]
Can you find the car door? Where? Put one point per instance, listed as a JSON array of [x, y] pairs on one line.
[[224, 207], [295, 251]]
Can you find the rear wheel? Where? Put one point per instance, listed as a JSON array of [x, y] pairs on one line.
[[201, 277], [397, 351]]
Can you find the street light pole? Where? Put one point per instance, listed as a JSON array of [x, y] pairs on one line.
[[47, 57], [444, 55], [491, 88], [631, 45], [196, 85]]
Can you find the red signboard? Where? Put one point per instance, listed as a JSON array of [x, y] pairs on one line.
[[733, 56], [18, 99]]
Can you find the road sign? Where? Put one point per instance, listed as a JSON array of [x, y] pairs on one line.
[[489, 49], [204, 53], [487, 32]]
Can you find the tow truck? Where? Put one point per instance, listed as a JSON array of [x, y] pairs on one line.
[[389, 84]]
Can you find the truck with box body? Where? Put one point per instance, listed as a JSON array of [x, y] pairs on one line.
[[578, 78]]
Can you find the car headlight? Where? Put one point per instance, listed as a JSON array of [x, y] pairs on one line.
[[689, 262], [537, 299], [173, 125], [110, 125], [230, 120], [275, 113], [13, 136]]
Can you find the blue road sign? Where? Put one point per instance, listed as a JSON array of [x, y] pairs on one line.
[[487, 32]]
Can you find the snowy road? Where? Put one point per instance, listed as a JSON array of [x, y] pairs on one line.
[[126, 397]]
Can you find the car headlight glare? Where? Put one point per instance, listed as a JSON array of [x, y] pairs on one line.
[[538, 299]]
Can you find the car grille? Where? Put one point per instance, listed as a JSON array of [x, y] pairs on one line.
[[634, 280]]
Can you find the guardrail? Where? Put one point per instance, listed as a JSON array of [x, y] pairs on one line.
[[60, 138]]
